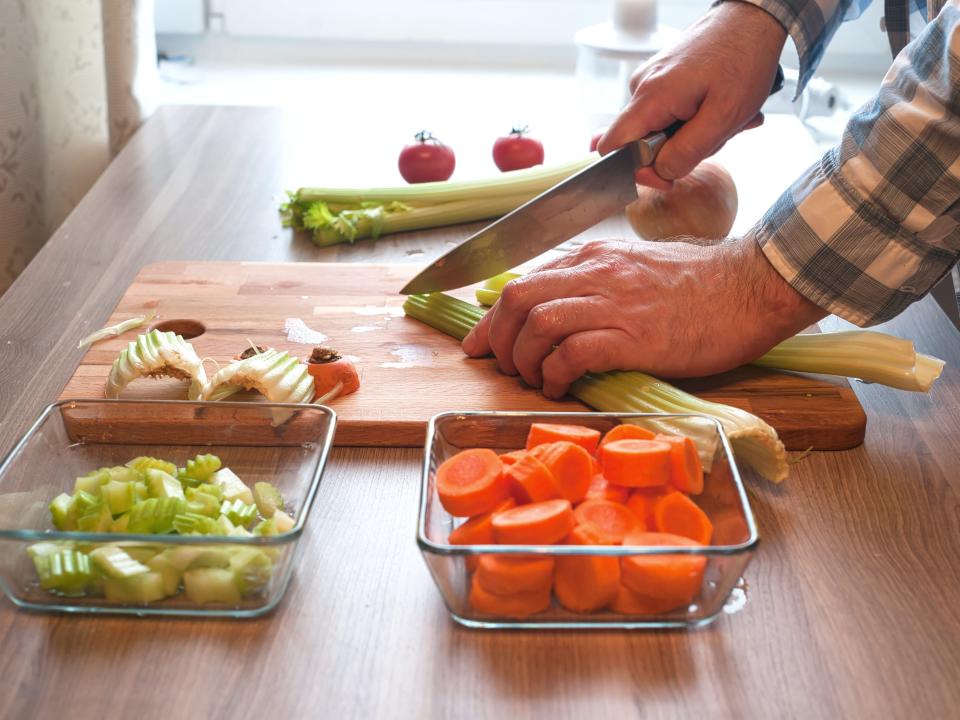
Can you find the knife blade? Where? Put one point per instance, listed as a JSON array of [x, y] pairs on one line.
[[558, 214]]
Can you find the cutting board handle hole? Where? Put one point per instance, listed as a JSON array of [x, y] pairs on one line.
[[186, 329]]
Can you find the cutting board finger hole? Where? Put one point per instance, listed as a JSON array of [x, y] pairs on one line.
[[186, 329]]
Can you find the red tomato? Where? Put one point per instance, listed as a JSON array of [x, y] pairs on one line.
[[426, 160], [517, 151]]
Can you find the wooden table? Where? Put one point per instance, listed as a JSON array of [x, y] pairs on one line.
[[850, 602]]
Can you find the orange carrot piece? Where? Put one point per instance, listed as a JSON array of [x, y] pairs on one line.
[[541, 433], [611, 519], [514, 575], [587, 582], [530, 480], [509, 458], [471, 482], [602, 489], [628, 602], [478, 530], [570, 465], [636, 463], [327, 368], [541, 523], [671, 578], [624, 431], [686, 471], [642, 500], [517, 606], [677, 514]]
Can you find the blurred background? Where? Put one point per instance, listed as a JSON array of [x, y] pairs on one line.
[[80, 76]]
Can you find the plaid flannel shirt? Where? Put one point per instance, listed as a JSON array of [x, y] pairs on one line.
[[875, 223]]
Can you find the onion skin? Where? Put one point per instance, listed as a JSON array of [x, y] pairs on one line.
[[702, 204]]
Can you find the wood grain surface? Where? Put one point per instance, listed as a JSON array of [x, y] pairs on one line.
[[409, 371], [849, 607]]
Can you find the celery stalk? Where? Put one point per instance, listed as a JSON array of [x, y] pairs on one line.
[[337, 215], [753, 439]]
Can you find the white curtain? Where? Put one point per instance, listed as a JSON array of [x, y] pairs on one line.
[[76, 78]]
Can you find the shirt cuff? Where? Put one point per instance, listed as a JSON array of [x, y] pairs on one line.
[[808, 26], [845, 254]]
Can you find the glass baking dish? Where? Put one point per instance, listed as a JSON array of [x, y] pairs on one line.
[[283, 444], [723, 500]]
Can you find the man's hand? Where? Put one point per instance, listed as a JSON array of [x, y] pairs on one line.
[[716, 78], [671, 309]]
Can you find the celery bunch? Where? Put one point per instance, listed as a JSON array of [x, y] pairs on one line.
[[345, 215]]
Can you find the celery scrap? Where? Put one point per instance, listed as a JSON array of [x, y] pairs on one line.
[[268, 498], [114, 330]]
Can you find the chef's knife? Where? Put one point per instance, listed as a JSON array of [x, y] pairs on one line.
[[558, 214]]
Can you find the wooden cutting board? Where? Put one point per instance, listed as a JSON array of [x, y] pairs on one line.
[[409, 371]]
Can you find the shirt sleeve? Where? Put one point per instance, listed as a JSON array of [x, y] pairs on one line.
[[811, 24], [876, 223]]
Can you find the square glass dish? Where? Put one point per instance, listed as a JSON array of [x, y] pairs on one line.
[[723, 499], [235, 575]]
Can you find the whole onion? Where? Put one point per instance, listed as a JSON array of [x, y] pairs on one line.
[[702, 204]]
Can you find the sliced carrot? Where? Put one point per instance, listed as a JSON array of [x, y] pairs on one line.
[[518, 606], [541, 433], [478, 530], [602, 489], [530, 480], [686, 471], [471, 482], [611, 519], [642, 500], [570, 465], [513, 575], [677, 514], [671, 578], [328, 368], [541, 523], [636, 463], [586, 582], [628, 602], [624, 431], [509, 458]]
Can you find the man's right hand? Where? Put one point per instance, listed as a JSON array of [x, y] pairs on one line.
[[715, 78]]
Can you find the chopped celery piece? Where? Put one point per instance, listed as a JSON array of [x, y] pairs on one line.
[[91, 482], [140, 553], [144, 463], [120, 524], [122, 473], [119, 496], [211, 489], [65, 571], [238, 512], [225, 526], [283, 521], [266, 527], [42, 549], [252, 568], [163, 484], [211, 585], [202, 503], [185, 557], [168, 572], [62, 512], [140, 589], [116, 562], [199, 470], [194, 524], [268, 499], [490, 292], [85, 503], [487, 297], [232, 486], [155, 515], [100, 520]]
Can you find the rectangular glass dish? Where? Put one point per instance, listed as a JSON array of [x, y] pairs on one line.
[[285, 445], [723, 499]]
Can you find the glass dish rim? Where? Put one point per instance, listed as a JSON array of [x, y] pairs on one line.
[[134, 538], [427, 545]]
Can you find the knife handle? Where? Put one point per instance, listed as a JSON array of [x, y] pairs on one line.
[[648, 147]]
